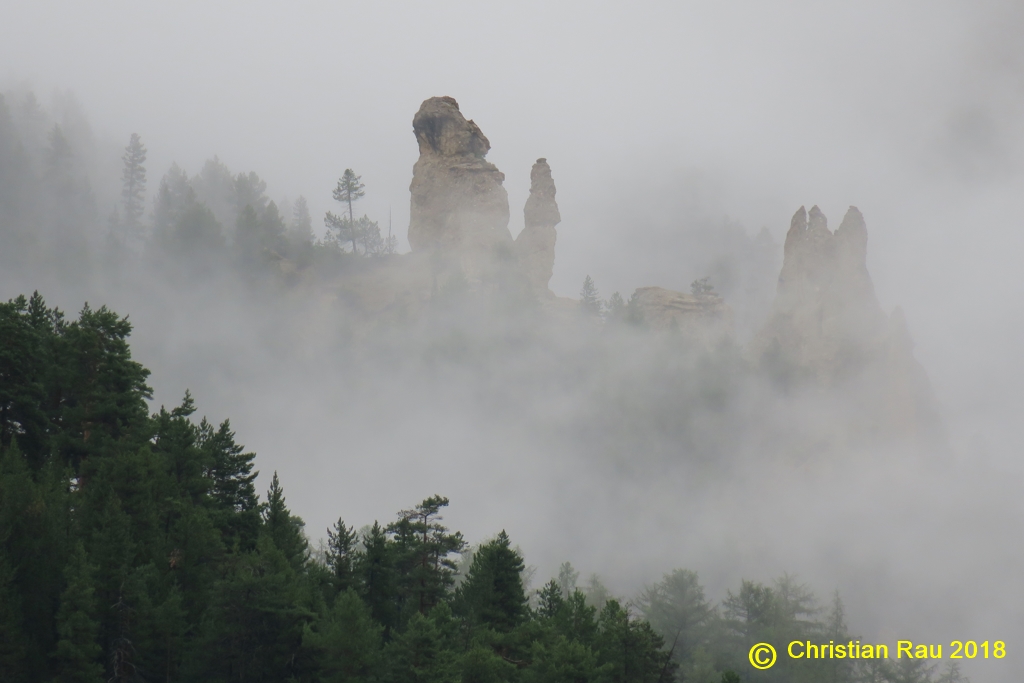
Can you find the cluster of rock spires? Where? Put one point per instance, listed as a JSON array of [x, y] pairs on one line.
[[460, 208], [826, 325], [460, 214]]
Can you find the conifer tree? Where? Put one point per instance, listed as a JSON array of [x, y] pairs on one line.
[[348, 190], [301, 225], [250, 190], [23, 375], [283, 528], [76, 659], [424, 547], [341, 553], [12, 637], [567, 578], [590, 302], [631, 649], [492, 593], [418, 654], [678, 610], [133, 180], [375, 569], [346, 642], [229, 470], [616, 307]]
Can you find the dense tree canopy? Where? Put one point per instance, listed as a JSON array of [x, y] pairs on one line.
[[134, 547]]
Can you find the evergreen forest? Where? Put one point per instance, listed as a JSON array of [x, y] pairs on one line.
[[134, 546]]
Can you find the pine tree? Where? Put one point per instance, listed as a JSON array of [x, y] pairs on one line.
[[301, 226], [375, 569], [346, 643], [23, 375], [424, 547], [590, 302], [702, 287], [551, 599], [418, 654], [229, 470], [283, 528], [492, 594], [616, 307], [102, 390], [250, 190], [12, 636], [260, 233], [133, 180], [567, 577], [253, 627], [576, 619], [76, 658], [341, 553], [561, 661], [952, 674], [348, 190], [631, 649], [678, 610]]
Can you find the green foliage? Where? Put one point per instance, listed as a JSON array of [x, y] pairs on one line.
[[590, 302], [702, 287], [677, 609], [418, 654], [346, 642], [77, 654], [423, 549], [283, 528], [561, 661], [133, 546], [360, 231], [341, 551], [492, 594], [348, 190]]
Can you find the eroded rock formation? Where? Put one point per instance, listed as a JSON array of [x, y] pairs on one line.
[[705, 317], [535, 245], [827, 326], [459, 207], [825, 318]]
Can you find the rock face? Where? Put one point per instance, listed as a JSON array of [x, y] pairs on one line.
[[459, 207], [535, 245], [705, 317], [825, 315], [827, 326]]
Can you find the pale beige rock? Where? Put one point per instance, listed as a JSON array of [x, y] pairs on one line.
[[535, 245], [827, 325], [705, 317], [459, 208], [825, 317]]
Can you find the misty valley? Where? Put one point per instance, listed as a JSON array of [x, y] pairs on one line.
[[462, 476]]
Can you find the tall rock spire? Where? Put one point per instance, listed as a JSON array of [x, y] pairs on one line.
[[535, 245], [458, 203]]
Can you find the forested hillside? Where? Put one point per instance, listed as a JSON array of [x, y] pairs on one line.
[[134, 547]]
